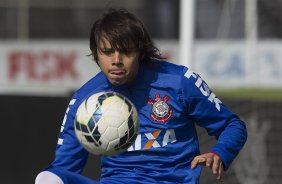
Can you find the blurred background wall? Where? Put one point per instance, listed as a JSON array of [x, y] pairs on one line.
[[236, 47]]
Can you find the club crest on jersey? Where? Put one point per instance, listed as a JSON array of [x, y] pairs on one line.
[[161, 111]]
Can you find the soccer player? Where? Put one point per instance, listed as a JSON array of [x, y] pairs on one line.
[[171, 100]]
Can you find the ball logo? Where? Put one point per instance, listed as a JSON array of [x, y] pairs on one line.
[[161, 110]]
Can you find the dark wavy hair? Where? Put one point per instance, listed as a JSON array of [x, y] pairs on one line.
[[125, 33]]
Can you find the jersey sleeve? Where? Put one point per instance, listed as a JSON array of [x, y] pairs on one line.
[[209, 112], [70, 155]]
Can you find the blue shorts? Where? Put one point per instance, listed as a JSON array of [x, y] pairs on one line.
[[72, 178], [69, 177]]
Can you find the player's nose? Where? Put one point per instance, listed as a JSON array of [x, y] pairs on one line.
[[117, 57]]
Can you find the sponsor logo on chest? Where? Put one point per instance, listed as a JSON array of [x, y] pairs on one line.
[[156, 139]]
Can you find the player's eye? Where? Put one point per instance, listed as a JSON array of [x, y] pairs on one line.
[[108, 51], [129, 51]]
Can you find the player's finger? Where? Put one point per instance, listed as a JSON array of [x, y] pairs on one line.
[[197, 160], [194, 162], [220, 171], [215, 165], [209, 160]]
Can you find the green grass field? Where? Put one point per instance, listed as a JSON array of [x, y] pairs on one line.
[[257, 94]]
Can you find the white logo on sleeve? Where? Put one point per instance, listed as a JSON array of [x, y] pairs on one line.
[[60, 140], [203, 87]]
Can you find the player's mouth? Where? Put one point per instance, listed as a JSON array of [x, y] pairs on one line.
[[117, 76], [117, 72]]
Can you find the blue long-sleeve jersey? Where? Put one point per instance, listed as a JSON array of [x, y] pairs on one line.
[[170, 100]]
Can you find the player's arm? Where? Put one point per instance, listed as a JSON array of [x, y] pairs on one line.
[[70, 155], [210, 113]]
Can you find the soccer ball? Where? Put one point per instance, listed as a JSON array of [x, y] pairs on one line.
[[106, 123]]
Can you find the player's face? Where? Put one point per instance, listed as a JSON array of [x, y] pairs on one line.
[[119, 68]]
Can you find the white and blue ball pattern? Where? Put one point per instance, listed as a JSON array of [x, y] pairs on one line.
[[106, 123]]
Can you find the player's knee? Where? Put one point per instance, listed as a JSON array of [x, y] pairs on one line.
[[47, 177]]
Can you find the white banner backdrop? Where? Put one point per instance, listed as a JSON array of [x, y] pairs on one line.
[[44, 67], [59, 67], [225, 64]]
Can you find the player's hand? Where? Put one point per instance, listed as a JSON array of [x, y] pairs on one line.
[[210, 160]]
